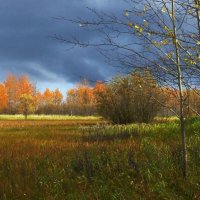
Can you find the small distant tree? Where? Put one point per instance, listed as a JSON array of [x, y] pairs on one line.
[[26, 104]]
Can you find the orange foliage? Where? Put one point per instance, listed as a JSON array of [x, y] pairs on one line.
[[57, 97], [47, 96], [99, 90], [11, 85], [3, 97], [71, 96], [99, 87], [171, 97], [15, 88], [81, 95], [24, 86], [84, 94]]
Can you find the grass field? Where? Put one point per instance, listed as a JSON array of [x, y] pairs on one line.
[[72, 159], [47, 117]]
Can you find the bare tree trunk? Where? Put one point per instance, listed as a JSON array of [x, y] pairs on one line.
[[181, 98], [197, 8]]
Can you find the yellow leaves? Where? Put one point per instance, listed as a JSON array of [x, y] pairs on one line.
[[189, 61], [157, 44], [146, 23], [169, 31], [149, 34], [166, 28], [127, 13], [190, 11], [164, 9], [170, 54], [130, 24], [198, 42], [186, 59], [174, 40], [154, 43], [161, 43], [198, 58], [145, 8], [165, 42], [196, 5], [138, 28]]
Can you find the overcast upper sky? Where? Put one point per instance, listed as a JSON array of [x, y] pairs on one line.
[[25, 47]]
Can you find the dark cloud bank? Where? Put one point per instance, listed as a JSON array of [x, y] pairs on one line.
[[26, 48]]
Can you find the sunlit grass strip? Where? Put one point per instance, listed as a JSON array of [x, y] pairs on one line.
[[166, 119], [48, 117], [110, 132]]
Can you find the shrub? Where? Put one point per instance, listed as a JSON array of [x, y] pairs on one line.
[[133, 98]]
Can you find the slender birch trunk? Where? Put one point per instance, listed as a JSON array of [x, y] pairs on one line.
[[181, 97]]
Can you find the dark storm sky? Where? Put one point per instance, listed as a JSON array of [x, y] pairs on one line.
[[25, 47]]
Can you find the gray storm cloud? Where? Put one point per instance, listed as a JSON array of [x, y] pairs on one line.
[[25, 45]]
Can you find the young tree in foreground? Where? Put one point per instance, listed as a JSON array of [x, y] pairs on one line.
[[159, 35]]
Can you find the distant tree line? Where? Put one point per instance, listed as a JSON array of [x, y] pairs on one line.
[[18, 95], [136, 97]]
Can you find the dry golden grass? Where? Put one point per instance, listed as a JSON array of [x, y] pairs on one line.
[[61, 160], [38, 123]]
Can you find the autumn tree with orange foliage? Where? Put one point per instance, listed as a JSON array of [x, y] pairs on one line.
[[3, 98], [25, 86], [16, 87], [57, 97], [49, 102], [11, 85], [47, 97], [99, 90], [81, 100]]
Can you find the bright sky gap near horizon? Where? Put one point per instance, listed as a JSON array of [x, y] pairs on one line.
[[27, 49]]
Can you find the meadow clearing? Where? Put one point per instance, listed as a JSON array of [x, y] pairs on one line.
[[64, 158]]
